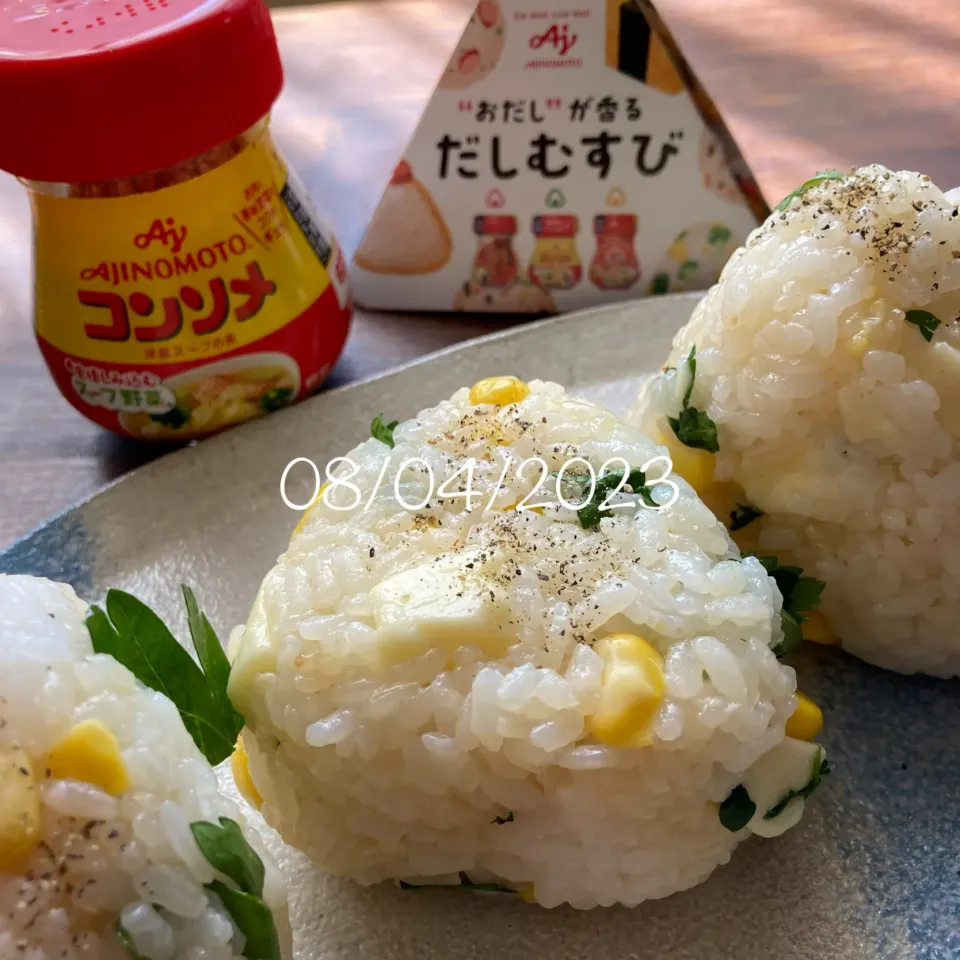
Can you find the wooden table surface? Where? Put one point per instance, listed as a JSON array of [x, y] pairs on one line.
[[804, 85]]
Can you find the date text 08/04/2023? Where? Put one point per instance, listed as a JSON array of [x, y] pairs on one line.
[[577, 485]]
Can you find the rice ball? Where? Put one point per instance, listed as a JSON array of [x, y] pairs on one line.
[[452, 678], [828, 358], [99, 786]]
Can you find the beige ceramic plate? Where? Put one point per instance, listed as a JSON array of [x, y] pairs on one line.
[[872, 872]]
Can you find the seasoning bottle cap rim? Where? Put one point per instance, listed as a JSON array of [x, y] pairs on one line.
[[615, 224], [116, 88], [486, 224], [556, 225]]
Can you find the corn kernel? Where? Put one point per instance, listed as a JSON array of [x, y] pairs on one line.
[[240, 767], [90, 753], [306, 513], [630, 693], [722, 499], [694, 465], [499, 390], [806, 721], [19, 809], [858, 346], [513, 506], [817, 630], [527, 893]]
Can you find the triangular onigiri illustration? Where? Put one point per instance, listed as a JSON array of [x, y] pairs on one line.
[[479, 49], [406, 209]]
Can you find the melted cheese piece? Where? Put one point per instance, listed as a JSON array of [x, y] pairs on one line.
[[255, 654], [788, 766], [441, 604]]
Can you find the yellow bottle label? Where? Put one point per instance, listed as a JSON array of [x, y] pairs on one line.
[[135, 294]]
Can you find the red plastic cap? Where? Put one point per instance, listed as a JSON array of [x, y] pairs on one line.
[[555, 225], [615, 224], [112, 88], [486, 225]]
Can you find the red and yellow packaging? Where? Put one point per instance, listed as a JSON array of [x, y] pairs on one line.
[[555, 263], [183, 282], [495, 264], [615, 265], [175, 313]]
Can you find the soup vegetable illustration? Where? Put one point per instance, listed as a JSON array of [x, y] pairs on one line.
[[220, 395]]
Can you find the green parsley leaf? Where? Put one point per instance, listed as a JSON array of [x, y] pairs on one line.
[[786, 579], [819, 770], [692, 368], [806, 594], [807, 184], [636, 481], [131, 633], [924, 321], [175, 418], [610, 481], [227, 851], [743, 515], [641, 488], [213, 660], [276, 398], [579, 479], [768, 563], [737, 810], [687, 269], [695, 429], [254, 920], [718, 235], [792, 634], [590, 513], [799, 594], [509, 818], [383, 431], [660, 284], [126, 941]]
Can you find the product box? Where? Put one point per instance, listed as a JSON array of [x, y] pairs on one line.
[[567, 158]]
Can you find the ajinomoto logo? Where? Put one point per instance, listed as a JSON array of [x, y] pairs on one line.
[[173, 262], [559, 37], [167, 232]]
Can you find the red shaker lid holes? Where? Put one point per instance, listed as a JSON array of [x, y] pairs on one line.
[[113, 88], [485, 226]]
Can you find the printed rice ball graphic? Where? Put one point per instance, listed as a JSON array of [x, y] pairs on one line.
[[479, 49], [716, 172], [408, 234], [694, 259]]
